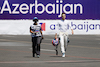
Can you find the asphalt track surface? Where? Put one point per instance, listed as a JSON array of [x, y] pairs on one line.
[[82, 51]]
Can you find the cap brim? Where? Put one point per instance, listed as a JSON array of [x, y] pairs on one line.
[[35, 19]]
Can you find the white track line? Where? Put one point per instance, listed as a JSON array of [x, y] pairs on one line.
[[46, 50]]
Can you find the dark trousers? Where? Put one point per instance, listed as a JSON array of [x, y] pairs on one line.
[[36, 41]]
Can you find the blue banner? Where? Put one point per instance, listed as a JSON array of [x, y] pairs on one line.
[[49, 9]]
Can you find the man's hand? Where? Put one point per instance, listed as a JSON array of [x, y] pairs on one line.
[[42, 37]]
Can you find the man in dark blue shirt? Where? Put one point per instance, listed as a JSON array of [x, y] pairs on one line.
[[37, 36]]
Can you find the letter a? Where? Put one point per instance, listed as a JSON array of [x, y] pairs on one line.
[[4, 7]]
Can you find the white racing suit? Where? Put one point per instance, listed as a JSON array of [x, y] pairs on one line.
[[63, 41], [62, 27]]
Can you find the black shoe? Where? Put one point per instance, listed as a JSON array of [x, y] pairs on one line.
[[56, 52], [33, 55]]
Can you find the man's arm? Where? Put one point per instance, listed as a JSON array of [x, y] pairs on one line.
[[41, 34], [31, 31], [72, 31], [55, 35], [71, 28]]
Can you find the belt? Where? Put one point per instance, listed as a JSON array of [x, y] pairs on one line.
[[63, 33]]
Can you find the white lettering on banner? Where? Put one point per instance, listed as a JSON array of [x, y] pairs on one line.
[[24, 8], [53, 10], [56, 8], [15, 10], [36, 7], [4, 7]]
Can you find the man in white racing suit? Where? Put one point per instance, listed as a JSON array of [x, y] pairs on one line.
[[63, 33]]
